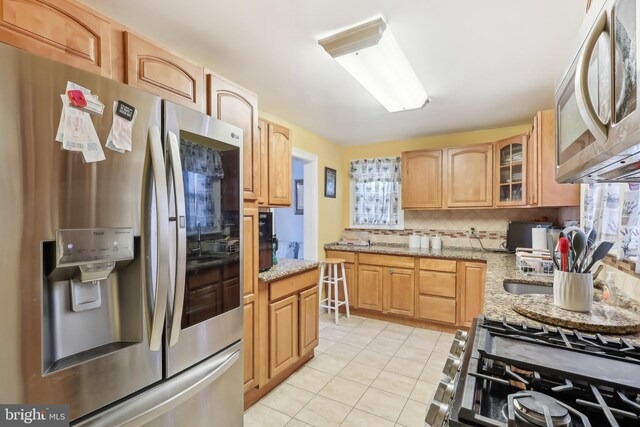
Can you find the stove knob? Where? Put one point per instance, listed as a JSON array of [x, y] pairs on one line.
[[457, 347], [461, 335], [444, 392], [436, 414], [451, 367]]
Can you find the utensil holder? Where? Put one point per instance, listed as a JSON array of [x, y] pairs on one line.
[[573, 291]]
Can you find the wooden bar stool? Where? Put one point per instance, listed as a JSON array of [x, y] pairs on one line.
[[329, 276]]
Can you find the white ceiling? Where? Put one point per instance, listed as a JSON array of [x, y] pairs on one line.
[[485, 64]]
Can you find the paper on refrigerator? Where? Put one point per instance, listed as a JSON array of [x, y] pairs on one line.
[[77, 133], [120, 136]]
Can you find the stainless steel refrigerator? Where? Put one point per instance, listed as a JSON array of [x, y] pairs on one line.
[[121, 279]]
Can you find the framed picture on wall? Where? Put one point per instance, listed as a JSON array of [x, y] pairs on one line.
[[330, 182], [299, 197]]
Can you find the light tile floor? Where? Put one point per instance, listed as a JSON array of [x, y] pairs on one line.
[[365, 372]]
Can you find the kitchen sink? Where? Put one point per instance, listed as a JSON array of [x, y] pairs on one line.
[[527, 288]]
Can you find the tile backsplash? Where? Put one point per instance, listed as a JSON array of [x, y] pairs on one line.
[[453, 225]]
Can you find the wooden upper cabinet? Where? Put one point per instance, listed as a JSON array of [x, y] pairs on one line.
[[235, 105], [58, 30], [279, 159], [470, 176], [156, 70], [532, 166], [422, 179], [511, 174], [543, 190], [263, 188]]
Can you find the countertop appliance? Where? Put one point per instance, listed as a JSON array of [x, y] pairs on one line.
[[506, 374], [115, 299], [519, 233], [598, 119], [265, 240]]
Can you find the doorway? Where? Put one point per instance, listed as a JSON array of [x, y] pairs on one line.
[[296, 227]]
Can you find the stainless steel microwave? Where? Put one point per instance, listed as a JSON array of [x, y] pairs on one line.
[[598, 117]]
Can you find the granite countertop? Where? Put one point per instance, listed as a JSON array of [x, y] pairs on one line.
[[286, 267], [501, 267]]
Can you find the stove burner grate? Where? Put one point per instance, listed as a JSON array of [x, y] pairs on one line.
[[620, 349], [539, 409]]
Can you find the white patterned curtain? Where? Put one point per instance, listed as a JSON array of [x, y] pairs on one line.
[[613, 211], [377, 190]]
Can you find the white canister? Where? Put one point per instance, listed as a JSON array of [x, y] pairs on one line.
[[414, 242], [424, 242], [436, 242], [573, 291]]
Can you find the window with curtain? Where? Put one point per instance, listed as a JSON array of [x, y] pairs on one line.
[[613, 211], [375, 193]]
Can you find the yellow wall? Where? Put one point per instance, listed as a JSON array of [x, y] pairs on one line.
[[394, 148], [329, 155]]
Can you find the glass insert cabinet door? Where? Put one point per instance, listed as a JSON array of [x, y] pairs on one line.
[[210, 171], [511, 163]]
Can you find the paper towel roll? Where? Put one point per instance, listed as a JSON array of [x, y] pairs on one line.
[[539, 238]]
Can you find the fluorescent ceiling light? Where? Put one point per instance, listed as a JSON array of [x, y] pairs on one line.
[[371, 54]]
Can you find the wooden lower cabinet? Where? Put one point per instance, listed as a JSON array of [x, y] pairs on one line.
[[309, 320], [421, 290], [437, 294], [370, 287], [350, 273], [437, 283], [283, 334], [399, 285], [471, 281], [287, 326], [250, 360], [438, 309]]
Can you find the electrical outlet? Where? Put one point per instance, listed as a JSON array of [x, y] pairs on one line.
[[472, 231]]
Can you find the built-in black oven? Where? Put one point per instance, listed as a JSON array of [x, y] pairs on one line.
[[265, 233]]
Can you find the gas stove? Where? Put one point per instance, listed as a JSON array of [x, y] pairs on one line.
[[515, 375]]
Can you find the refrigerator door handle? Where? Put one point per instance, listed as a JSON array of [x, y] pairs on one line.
[[152, 404], [158, 302], [181, 239]]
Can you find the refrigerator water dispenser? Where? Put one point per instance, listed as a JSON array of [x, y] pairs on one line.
[[92, 294]]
